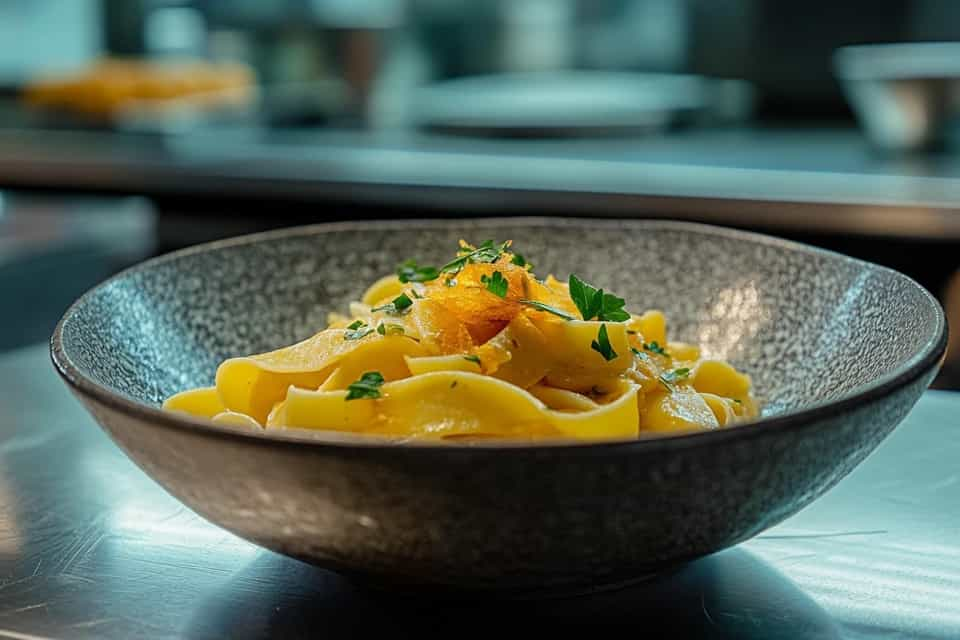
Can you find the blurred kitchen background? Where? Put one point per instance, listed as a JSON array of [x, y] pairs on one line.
[[133, 127]]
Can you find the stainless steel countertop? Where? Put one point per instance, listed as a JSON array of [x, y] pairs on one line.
[[772, 177], [92, 548]]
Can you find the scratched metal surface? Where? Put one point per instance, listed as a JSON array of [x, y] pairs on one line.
[[91, 548]]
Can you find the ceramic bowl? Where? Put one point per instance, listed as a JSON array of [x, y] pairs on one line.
[[839, 351]]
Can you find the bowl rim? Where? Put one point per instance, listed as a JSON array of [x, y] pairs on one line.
[[926, 358]]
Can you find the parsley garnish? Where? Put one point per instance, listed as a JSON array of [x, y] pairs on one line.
[[670, 378], [540, 306], [357, 330], [496, 284], [385, 329], [594, 303], [399, 305], [602, 344], [473, 359], [520, 261], [416, 295], [738, 400], [368, 386], [410, 271], [654, 347], [486, 252]]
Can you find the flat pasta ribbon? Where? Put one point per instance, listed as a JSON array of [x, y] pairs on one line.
[[444, 403]]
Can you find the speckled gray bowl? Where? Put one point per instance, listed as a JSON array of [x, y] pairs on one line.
[[839, 349]]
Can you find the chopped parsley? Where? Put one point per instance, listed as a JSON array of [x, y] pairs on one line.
[[671, 378], [654, 347], [486, 252], [357, 330], [738, 400], [368, 386], [386, 329], [496, 284], [473, 359], [399, 305], [540, 306], [602, 344], [416, 295], [594, 303], [410, 271], [520, 261]]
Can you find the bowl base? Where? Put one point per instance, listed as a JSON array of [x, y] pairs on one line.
[[459, 592]]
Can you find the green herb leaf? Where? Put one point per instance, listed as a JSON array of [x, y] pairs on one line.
[[587, 299], [738, 400], [410, 271], [496, 284], [386, 329], [368, 386], [454, 266], [671, 378], [416, 295], [654, 347], [402, 302], [520, 261], [399, 305], [540, 306], [594, 303], [357, 330], [485, 253], [473, 359], [612, 310], [602, 344]]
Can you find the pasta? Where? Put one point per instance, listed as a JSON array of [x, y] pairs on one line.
[[480, 348]]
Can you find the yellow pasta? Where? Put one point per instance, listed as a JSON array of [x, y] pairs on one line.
[[203, 403], [385, 288], [680, 409], [456, 402], [234, 419], [480, 348]]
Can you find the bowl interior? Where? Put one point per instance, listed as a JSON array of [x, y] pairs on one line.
[[809, 326]]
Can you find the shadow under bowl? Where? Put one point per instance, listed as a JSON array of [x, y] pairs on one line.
[[839, 350]]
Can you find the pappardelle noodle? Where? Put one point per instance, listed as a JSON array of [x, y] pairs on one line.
[[480, 348]]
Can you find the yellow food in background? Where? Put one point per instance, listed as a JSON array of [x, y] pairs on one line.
[[478, 349], [112, 85]]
